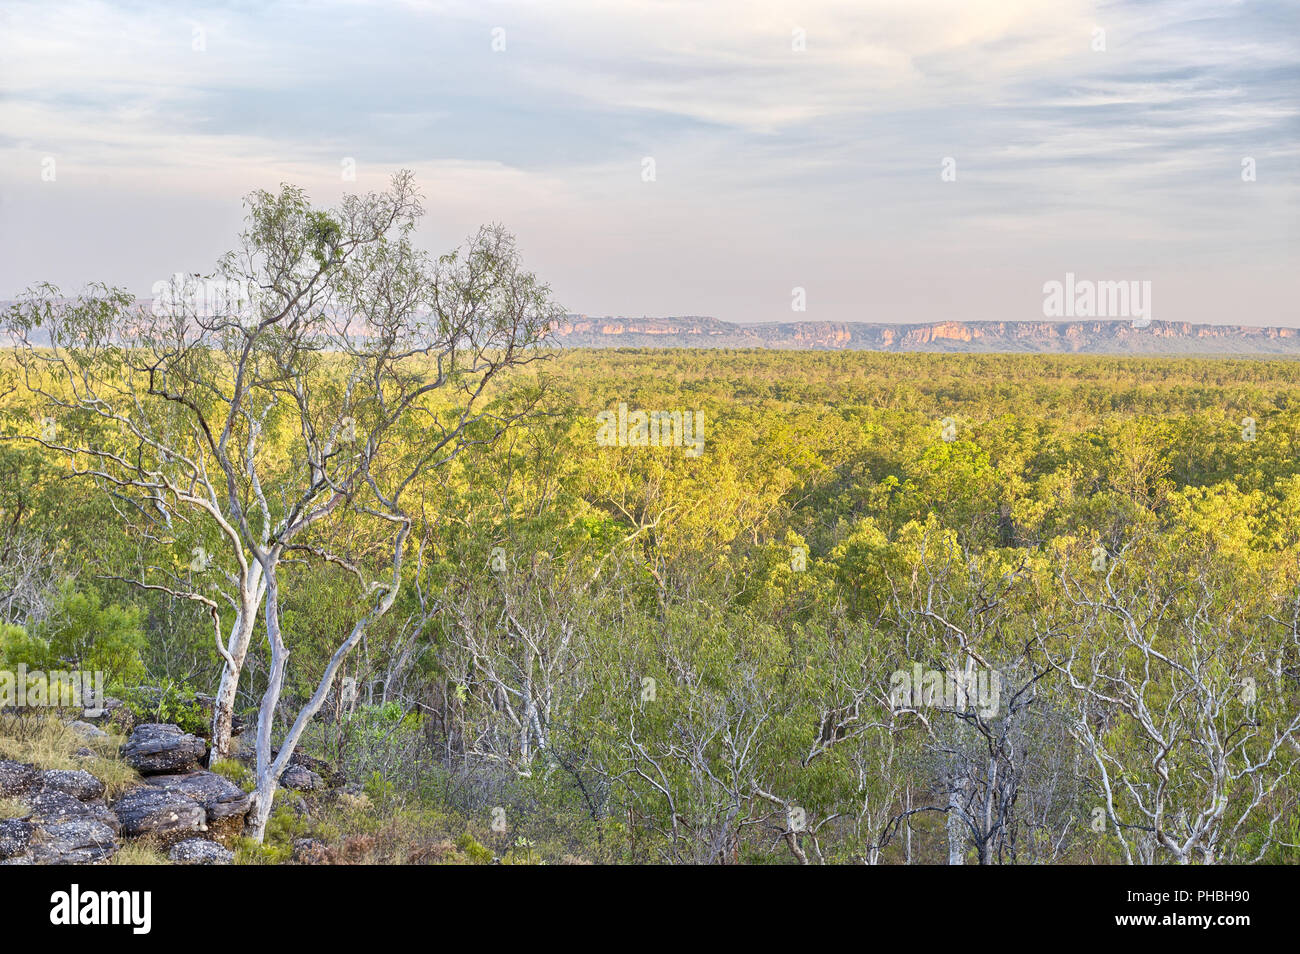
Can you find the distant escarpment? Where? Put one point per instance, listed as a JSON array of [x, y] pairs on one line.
[[1099, 336]]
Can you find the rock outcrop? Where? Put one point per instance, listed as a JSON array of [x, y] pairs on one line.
[[1046, 336], [16, 778], [78, 783], [197, 851], [76, 841], [153, 811], [224, 803], [161, 749], [15, 836], [64, 818]]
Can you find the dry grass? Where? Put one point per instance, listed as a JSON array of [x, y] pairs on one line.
[[139, 853], [12, 808], [49, 744]]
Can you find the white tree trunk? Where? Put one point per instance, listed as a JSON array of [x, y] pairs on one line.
[[956, 830], [241, 634]]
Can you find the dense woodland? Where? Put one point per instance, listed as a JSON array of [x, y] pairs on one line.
[[635, 654]]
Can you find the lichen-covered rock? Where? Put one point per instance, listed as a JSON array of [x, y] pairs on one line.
[[198, 851], [15, 836], [328, 778], [87, 731], [152, 811], [77, 841], [78, 783], [50, 806], [113, 713], [16, 778], [219, 797], [160, 749], [299, 778]]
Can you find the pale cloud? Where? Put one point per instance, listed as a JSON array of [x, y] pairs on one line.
[[775, 167]]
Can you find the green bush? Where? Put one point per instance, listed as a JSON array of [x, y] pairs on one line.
[[172, 703], [95, 638], [18, 647], [236, 772], [474, 850]]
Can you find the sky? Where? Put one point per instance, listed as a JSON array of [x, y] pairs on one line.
[[895, 160]]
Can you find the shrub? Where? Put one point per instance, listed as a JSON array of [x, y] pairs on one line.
[[95, 638], [18, 647], [236, 772], [474, 850], [172, 703]]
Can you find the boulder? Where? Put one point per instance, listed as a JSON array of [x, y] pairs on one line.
[[319, 766], [16, 778], [327, 777], [87, 731], [219, 797], [77, 841], [15, 836], [299, 778], [160, 749], [51, 806], [198, 851], [115, 713], [152, 811], [78, 783]]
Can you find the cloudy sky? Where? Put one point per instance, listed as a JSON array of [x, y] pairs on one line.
[[793, 145]]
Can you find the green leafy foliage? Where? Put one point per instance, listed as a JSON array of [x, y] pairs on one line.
[[635, 654]]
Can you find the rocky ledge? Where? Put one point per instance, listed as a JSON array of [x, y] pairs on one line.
[[64, 817]]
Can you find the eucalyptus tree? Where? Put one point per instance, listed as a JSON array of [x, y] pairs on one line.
[[1178, 671], [516, 648], [967, 636], [868, 746], [283, 411]]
